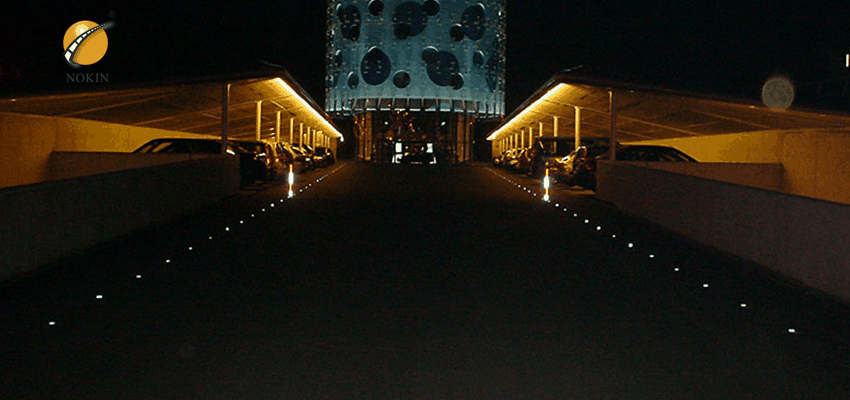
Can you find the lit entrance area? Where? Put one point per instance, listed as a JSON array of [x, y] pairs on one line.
[[403, 137], [412, 152]]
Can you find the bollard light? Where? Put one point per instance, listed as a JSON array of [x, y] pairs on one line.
[[291, 180]]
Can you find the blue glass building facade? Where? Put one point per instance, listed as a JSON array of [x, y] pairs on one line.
[[415, 72]]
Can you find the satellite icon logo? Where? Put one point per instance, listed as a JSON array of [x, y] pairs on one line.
[[85, 43]]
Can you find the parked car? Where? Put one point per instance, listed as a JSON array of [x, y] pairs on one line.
[[305, 148], [497, 161], [302, 155], [510, 161], [185, 146], [546, 151], [289, 156], [309, 154], [579, 167], [258, 160], [325, 155], [652, 153], [418, 157], [523, 161]]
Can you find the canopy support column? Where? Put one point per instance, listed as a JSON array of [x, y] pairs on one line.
[[578, 127], [259, 118], [277, 127], [225, 99], [612, 108], [555, 128]]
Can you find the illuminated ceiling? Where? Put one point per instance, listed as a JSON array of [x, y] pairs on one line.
[[644, 113], [190, 107]]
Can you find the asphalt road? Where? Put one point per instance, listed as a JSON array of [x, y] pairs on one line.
[[416, 282]]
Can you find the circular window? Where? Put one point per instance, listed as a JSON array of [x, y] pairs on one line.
[[353, 80], [478, 58], [408, 20], [456, 32], [443, 68], [429, 55], [375, 67], [376, 7], [456, 81], [349, 17], [338, 58], [401, 31], [431, 7], [473, 21], [401, 79]]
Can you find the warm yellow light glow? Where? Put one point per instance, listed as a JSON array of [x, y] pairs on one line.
[[309, 107], [528, 109], [80, 29], [290, 179]]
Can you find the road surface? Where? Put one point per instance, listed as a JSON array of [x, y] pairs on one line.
[[416, 282]]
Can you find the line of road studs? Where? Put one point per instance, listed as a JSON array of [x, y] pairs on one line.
[[630, 245], [228, 227]]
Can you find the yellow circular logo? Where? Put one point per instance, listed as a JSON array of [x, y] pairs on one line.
[[85, 43]]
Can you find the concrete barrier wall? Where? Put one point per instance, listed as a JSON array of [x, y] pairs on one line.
[[66, 165], [748, 147], [45, 222], [27, 141], [802, 238], [765, 176], [84, 135], [815, 162], [25, 146], [817, 165]]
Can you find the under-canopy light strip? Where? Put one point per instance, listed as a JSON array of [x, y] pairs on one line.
[[309, 107], [528, 109]]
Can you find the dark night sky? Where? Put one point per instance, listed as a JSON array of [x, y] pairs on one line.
[[721, 47]]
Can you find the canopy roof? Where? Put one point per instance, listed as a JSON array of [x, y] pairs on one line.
[[646, 113], [191, 107]]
